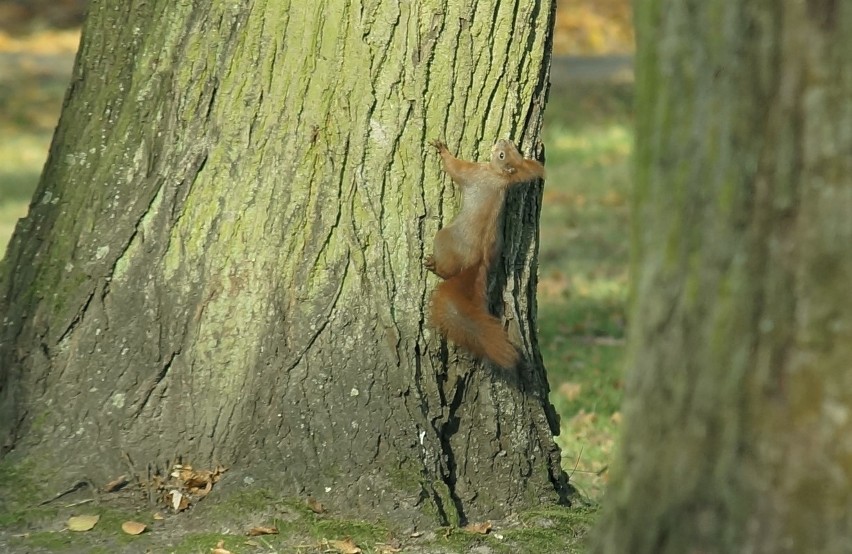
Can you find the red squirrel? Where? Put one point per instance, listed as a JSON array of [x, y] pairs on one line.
[[464, 249]]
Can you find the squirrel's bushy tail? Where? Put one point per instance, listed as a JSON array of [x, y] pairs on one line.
[[460, 314]]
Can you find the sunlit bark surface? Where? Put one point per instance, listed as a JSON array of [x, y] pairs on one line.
[[223, 260]]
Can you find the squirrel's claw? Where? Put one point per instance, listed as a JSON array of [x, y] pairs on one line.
[[429, 263], [438, 144]]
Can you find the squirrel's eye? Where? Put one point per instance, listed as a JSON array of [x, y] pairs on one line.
[[502, 155]]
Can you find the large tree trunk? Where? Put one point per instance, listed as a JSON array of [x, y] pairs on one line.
[[738, 412], [223, 259]]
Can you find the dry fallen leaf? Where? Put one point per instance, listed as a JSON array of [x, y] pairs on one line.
[[184, 485], [255, 531], [179, 501], [133, 527], [583, 419], [201, 492], [570, 391], [346, 546], [220, 548], [180, 471], [158, 516], [82, 523], [416, 534], [387, 549], [479, 528], [197, 479], [315, 505]]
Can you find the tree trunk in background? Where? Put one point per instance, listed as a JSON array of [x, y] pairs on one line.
[[738, 413], [223, 259]]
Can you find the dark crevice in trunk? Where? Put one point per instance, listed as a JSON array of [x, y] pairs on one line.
[[76, 319], [447, 429], [146, 395]]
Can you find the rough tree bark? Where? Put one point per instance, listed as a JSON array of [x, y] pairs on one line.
[[223, 259], [738, 411]]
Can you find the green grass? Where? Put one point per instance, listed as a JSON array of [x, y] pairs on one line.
[[551, 530], [21, 158], [30, 102], [583, 271]]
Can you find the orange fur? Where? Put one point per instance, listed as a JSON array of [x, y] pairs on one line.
[[459, 313], [463, 250]]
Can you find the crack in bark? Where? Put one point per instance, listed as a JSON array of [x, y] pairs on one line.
[[213, 88], [78, 316], [541, 93], [446, 427], [156, 380], [324, 321]]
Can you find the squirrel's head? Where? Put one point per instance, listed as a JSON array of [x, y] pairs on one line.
[[504, 156]]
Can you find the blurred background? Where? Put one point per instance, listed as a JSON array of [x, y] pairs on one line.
[[588, 136]]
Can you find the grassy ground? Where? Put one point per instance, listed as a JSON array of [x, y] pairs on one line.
[[582, 292], [583, 275], [42, 529], [31, 92]]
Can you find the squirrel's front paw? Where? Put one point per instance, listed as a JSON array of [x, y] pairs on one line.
[[439, 145], [429, 263]]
